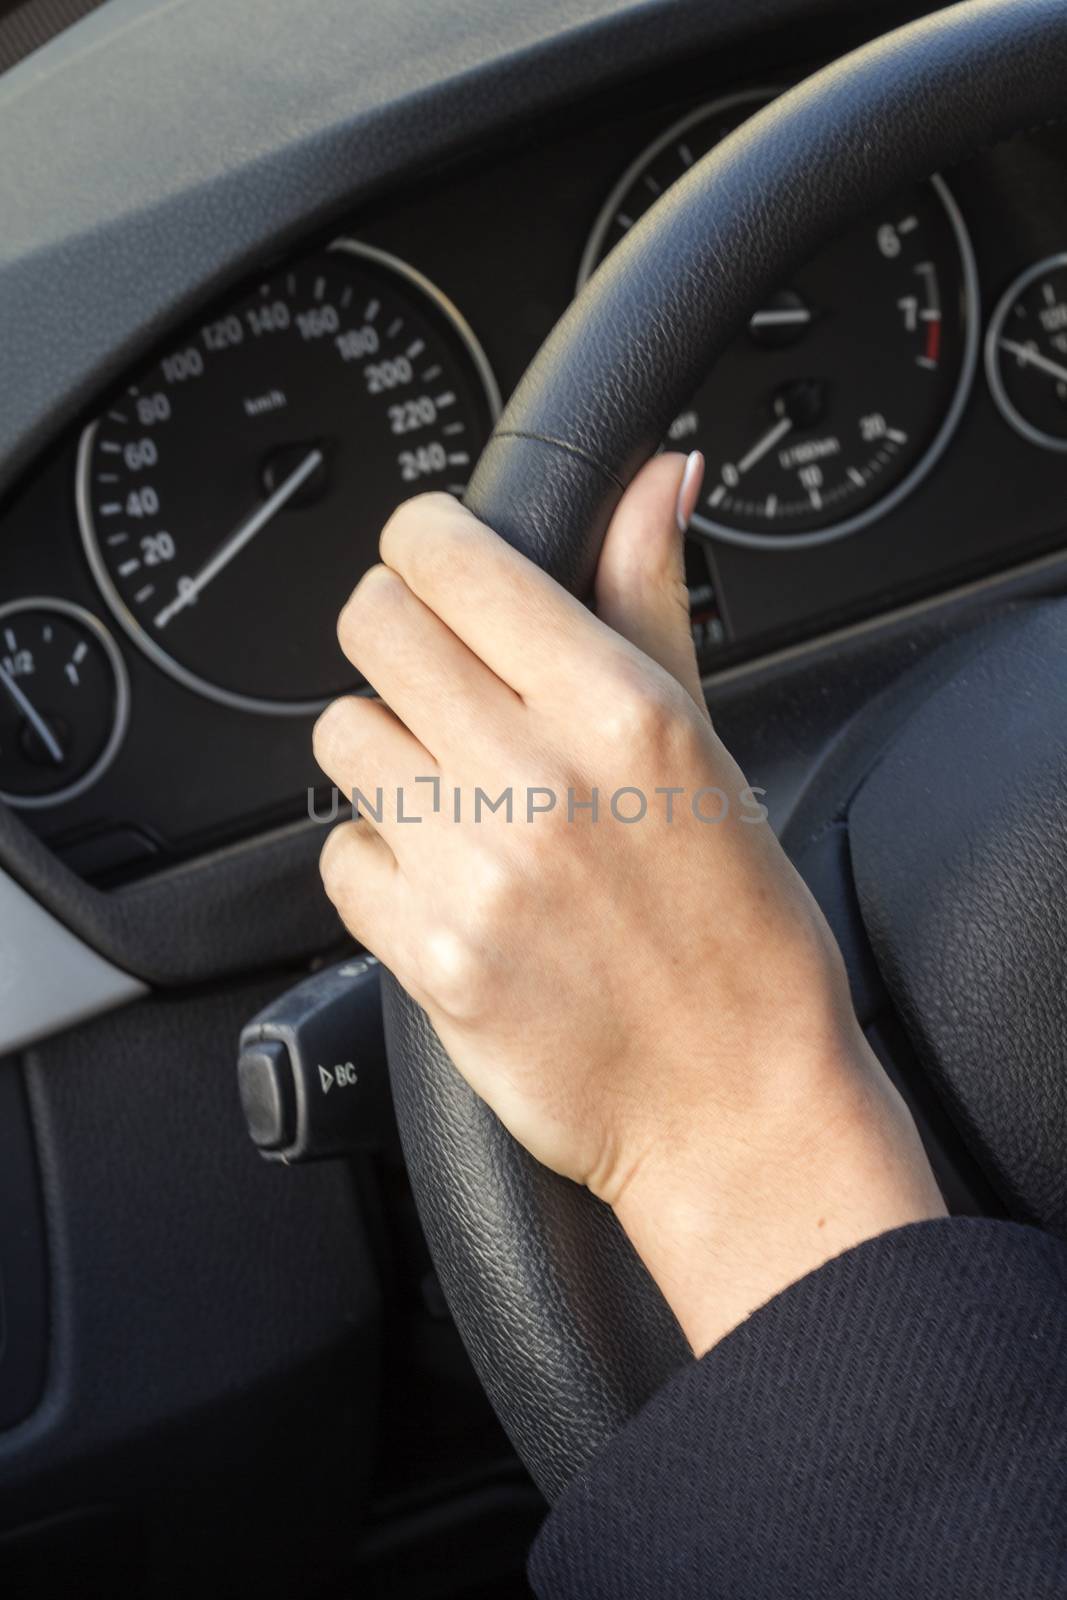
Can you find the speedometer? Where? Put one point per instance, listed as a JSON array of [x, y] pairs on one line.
[[231, 496], [848, 383]]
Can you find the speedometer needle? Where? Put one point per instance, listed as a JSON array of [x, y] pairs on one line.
[[189, 588], [1034, 358], [32, 715]]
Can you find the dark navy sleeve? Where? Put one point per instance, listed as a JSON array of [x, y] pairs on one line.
[[892, 1426]]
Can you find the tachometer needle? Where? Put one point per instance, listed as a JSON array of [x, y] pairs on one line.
[[1034, 358], [33, 716], [191, 587], [768, 442]]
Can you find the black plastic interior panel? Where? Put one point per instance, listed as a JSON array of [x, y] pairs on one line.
[[23, 1259], [213, 1358]]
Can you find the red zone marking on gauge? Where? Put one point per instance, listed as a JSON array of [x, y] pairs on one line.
[[933, 341]]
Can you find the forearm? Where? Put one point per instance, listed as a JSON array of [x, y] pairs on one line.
[[724, 1223]]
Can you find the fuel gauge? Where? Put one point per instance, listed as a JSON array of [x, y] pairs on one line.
[[1026, 354], [64, 701]]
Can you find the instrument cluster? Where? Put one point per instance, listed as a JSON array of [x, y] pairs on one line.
[[226, 496]]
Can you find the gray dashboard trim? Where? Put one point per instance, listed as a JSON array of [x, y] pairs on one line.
[[160, 147], [49, 979]]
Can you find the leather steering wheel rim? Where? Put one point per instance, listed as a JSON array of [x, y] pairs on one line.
[[566, 1330]]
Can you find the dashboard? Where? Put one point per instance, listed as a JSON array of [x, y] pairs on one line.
[[891, 424], [239, 240]]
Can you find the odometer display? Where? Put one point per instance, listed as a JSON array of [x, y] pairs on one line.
[[231, 497], [847, 384]]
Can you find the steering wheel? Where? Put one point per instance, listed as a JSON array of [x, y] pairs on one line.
[[963, 902]]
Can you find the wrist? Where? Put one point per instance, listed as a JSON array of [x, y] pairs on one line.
[[726, 1213]]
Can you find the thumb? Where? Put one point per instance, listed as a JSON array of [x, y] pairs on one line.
[[640, 587]]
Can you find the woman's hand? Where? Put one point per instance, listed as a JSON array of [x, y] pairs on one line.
[[618, 957]]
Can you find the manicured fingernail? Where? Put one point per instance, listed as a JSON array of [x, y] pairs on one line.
[[692, 478]]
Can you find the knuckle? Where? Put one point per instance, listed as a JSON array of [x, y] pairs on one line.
[[335, 730], [369, 606], [455, 973], [645, 717], [333, 860], [415, 523], [429, 540], [400, 527], [378, 585], [494, 888], [461, 958]]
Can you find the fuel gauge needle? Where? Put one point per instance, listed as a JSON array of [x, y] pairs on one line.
[[242, 536], [32, 715]]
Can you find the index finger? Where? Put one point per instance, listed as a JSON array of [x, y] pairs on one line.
[[527, 629]]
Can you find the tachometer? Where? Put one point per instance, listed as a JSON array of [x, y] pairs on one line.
[[231, 497], [848, 383]]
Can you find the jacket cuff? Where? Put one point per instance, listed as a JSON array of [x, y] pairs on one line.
[[893, 1424]]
